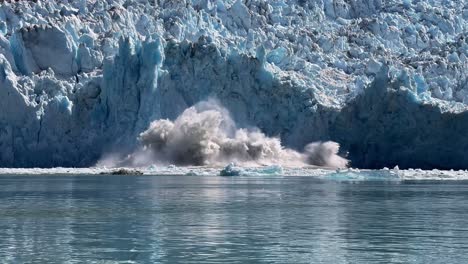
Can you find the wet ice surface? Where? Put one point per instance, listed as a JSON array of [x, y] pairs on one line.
[[256, 219]]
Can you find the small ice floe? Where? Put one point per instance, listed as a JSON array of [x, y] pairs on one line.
[[124, 171], [231, 170], [191, 173], [363, 175], [234, 170]]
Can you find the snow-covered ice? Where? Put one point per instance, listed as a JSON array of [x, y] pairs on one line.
[[385, 79]]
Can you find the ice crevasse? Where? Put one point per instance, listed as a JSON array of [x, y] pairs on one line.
[[387, 79]]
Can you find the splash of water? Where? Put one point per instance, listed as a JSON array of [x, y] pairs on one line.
[[206, 135]]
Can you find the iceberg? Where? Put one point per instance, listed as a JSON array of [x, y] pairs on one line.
[[387, 80]]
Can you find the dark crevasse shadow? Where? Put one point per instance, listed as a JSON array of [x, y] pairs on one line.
[[388, 126]]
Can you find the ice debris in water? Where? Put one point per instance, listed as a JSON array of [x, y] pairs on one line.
[[124, 171], [230, 170], [385, 79], [353, 175], [323, 174], [234, 170]]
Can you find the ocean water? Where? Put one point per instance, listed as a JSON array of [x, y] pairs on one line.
[[203, 219]]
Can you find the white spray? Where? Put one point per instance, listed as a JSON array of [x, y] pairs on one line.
[[206, 135]]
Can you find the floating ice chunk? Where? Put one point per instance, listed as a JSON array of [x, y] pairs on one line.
[[272, 170], [379, 175], [231, 170]]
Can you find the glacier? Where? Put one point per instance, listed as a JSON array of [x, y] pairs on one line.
[[388, 80]]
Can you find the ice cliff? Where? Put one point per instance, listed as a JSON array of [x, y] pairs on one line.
[[387, 79]]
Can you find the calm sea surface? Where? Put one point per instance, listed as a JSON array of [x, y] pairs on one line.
[[199, 219]]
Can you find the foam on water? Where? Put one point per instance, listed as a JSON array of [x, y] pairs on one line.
[[265, 171]]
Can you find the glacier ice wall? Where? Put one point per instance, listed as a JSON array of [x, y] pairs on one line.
[[388, 80]]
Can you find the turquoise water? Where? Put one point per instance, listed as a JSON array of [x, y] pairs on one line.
[[178, 219]]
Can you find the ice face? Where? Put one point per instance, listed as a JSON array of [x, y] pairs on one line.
[[385, 79], [38, 48]]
